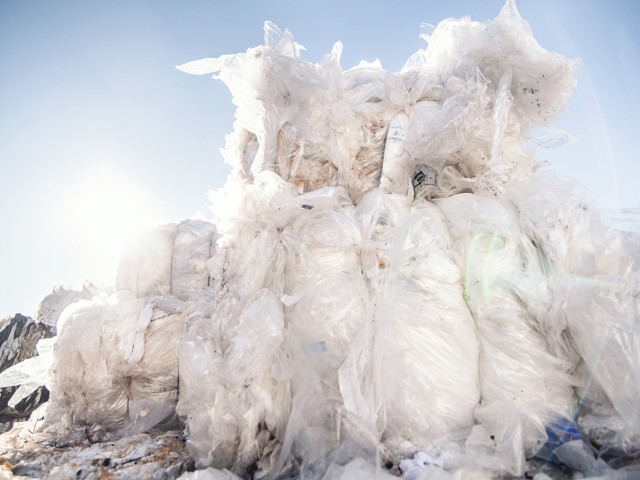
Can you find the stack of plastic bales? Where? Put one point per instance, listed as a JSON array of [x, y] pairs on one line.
[[444, 310], [116, 359], [390, 274]]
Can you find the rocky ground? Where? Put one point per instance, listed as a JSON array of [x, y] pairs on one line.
[[18, 338], [159, 456]]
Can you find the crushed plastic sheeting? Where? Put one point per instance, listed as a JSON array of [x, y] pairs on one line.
[[393, 286]]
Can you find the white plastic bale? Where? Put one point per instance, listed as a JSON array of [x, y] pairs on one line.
[[595, 278], [328, 327], [234, 365], [524, 386], [602, 315], [331, 303], [426, 350], [53, 305], [153, 387], [309, 123], [274, 91], [231, 347], [212, 432], [114, 366], [86, 387], [145, 267], [542, 82], [194, 245], [488, 86]]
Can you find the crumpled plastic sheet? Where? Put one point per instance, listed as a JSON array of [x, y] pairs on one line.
[[168, 260], [389, 273], [193, 246]]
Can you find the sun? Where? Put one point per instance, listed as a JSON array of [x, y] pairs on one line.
[[102, 213]]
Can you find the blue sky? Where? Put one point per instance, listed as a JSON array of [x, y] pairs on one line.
[[88, 90]]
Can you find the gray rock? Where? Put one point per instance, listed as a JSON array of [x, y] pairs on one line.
[[45, 455], [18, 338]]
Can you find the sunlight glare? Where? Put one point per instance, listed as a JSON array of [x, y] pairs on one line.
[[103, 213]]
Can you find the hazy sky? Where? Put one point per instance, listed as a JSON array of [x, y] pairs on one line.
[[99, 131]]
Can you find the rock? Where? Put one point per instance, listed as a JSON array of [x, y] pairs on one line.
[[18, 338], [158, 456]]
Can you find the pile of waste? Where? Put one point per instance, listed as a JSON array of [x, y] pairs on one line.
[[392, 283]]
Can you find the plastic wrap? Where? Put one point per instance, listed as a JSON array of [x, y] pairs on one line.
[[424, 331], [115, 363], [481, 89], [304, 283], [596, 280], [524, 386], [30, 374], [559, 216], [53, 305], [309, 123], [193, 246], [234, 336], [602, 314], [329, 331], [233, 365]]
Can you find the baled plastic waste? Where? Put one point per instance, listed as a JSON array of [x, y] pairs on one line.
[[392, 283]]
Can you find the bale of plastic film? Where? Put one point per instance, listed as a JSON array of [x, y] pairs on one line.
[[328, 305], [145, 266], [328, 332], [232, 345], [602, 314], [53, 305], [480, 90], [596, 278], [524, 385], [426, 349], [281, 100], [312, 124], [376, 96], [115, 363], [153, 385], [194, 245]]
